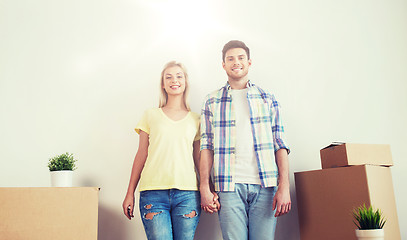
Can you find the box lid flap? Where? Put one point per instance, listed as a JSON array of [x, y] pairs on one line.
[[333, 144]]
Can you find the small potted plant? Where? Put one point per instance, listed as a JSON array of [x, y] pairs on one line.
[[369, 222], [61, 168]]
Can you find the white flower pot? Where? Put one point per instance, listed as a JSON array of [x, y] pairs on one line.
[[370, 234], [61, 178]]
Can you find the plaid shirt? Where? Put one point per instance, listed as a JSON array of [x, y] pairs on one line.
[[218, 134]]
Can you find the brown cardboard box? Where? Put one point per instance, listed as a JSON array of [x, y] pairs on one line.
[[347, 154], [49, 213], [327, 197]]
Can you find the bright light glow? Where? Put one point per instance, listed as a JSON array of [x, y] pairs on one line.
[[181, 22]]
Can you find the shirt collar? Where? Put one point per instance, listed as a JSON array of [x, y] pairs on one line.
[[248, 85]]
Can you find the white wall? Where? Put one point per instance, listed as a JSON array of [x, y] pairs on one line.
[[76, 76]]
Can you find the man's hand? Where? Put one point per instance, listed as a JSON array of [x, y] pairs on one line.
[[282, 201], [209, 201]]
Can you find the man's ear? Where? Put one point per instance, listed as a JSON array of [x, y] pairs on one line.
[[223, 65]]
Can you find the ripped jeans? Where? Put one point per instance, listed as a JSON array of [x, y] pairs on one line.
[[170, 214]]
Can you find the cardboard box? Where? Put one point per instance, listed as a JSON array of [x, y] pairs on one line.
[[348, 154], [327, 197], [49, 213]]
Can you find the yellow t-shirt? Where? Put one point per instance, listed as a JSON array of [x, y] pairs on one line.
[[170, 162]]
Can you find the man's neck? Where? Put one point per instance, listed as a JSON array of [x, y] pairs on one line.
[[238, 84]]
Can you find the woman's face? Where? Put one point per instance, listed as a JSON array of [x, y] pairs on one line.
[[174, 81]]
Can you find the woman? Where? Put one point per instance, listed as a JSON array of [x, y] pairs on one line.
[[164, 166]]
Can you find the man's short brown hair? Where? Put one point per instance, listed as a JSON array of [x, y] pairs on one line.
[[235, 44]]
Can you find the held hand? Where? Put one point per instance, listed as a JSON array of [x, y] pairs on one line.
[[282, 201], [128, 206], [209, 201], [216, 201]]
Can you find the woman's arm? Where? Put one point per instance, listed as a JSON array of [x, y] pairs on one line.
[[197, 154], [138, 165]]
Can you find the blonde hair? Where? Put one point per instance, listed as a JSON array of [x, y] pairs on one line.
[[163, 94]]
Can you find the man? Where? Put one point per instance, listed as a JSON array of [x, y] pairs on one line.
[[242, 138]]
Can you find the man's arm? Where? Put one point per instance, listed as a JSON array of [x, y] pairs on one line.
[[282, 199], [209, 199]]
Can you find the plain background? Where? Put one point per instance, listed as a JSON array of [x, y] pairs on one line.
[[76, 76]]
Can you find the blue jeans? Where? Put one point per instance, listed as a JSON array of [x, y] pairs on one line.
[[247, 213], [170, 214]]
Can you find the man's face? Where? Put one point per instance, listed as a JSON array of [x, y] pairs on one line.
[[236, 64]]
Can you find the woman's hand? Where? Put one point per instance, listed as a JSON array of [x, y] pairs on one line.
[[128, 206], [210, 201]]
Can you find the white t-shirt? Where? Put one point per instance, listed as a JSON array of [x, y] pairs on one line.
[[246, 167]]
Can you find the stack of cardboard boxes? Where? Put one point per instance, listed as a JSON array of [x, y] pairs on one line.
[[351, 175]]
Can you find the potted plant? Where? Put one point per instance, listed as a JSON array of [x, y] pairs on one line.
[[369, 222], [61, 168]]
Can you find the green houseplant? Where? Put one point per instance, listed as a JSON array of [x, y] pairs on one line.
[[62, 162], [61, 168], [369, 222]]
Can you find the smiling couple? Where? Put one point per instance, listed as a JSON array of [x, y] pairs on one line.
[[239, 138]]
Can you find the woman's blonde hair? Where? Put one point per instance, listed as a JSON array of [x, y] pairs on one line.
[[163, 94]]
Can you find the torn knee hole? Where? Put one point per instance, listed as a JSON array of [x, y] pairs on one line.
[[191, 214], [148, 206], [150, 215]]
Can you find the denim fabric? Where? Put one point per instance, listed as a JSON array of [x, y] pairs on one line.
[[247, 213], [170, 214]]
